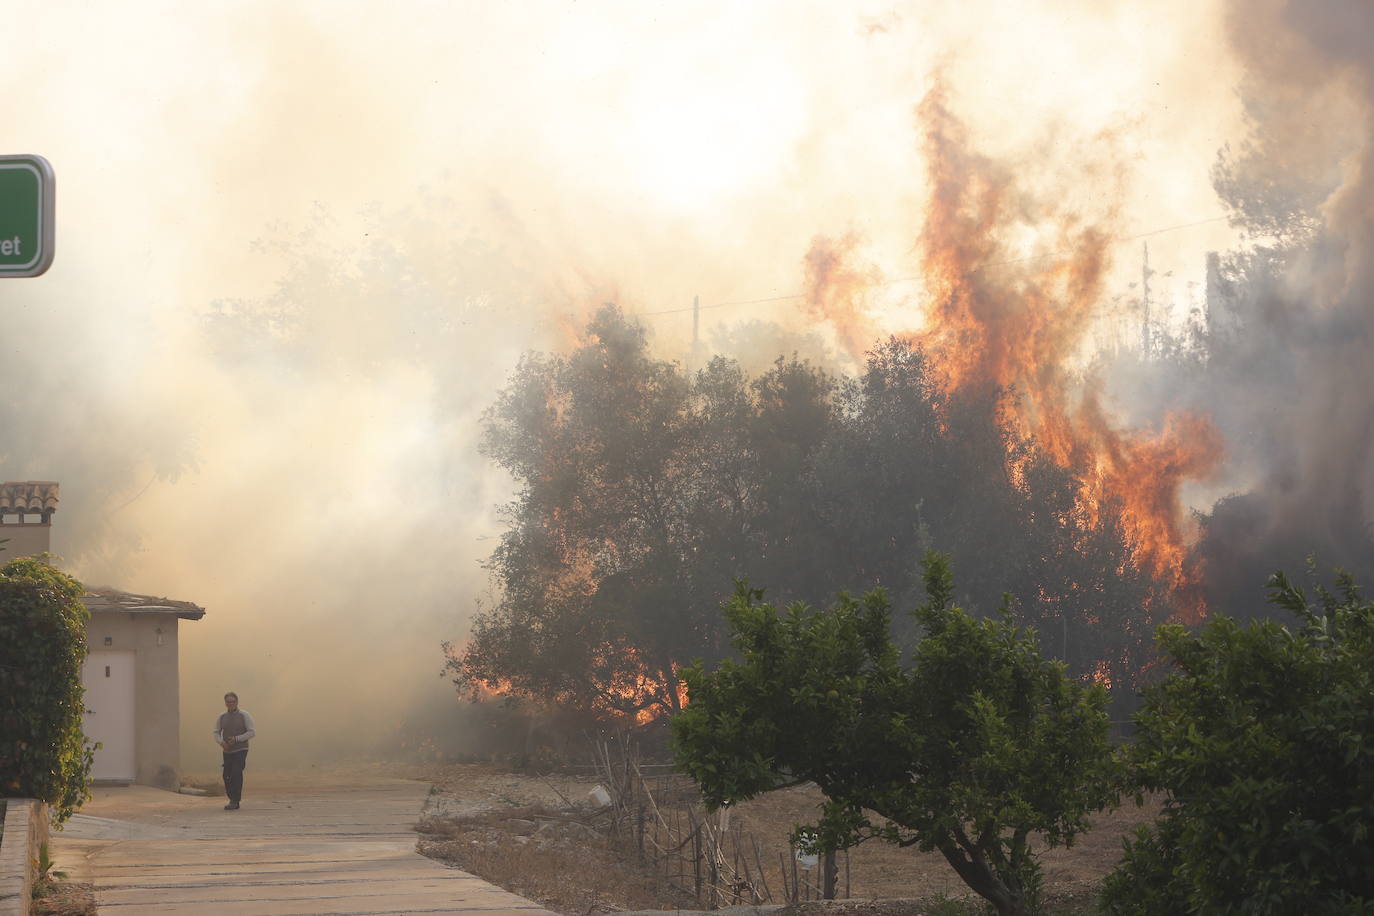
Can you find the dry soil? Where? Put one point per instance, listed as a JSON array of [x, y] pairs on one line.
[[536, 836]]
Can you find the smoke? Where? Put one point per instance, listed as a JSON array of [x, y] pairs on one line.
[[299, 249], [1293, 319], [301, 245]]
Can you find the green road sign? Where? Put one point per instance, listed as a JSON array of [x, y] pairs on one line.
[[26, 216]]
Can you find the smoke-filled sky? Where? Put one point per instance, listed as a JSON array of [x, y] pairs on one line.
[[300, 245]]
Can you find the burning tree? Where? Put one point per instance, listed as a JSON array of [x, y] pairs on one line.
[[914, 463], [637, 488], [1009, 331], [598, 442], [970, 748], [644, 491]]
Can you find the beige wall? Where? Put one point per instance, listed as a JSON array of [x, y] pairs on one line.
[[24, 540], [157, 704]]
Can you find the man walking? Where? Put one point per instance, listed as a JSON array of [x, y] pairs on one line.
[[233, 730]]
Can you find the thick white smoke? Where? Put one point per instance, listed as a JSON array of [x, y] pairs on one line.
[[301, 244]]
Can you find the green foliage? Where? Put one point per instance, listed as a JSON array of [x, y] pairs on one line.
[[46, 878], [43, 753], [46, 863], [1144, 884], [969, 747], [1263, 740]]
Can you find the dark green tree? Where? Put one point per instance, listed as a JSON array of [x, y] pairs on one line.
[[969, 747], [599, 445], [1262, 741], [43, 752], [640, 490], [794, 415], [887, 477]]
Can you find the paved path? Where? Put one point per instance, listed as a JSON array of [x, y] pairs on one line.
[[300, 844]]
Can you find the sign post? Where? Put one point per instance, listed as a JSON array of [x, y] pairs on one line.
[[26, 216]]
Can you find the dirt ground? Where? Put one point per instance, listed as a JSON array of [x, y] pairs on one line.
[[539, 837], [536, 836]]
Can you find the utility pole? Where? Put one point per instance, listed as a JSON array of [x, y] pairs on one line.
[[696, 323], [1145, 273], [694, 355]]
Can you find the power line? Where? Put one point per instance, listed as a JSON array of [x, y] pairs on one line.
[[1200, 222], [896, 280], [721, 305]]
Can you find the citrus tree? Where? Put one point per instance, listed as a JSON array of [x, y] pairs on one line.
[[1262, 742], [970, 746]]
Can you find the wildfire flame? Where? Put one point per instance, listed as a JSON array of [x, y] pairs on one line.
[[632, 691], [635, 690], [1017, 324]]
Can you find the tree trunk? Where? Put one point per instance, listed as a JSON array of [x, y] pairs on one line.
[[983, 881]]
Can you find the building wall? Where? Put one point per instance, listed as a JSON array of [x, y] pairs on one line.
[[157, 702], [24, 540]]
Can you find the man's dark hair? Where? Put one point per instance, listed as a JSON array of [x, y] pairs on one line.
[[231, 694]]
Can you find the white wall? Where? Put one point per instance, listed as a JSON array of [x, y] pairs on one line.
[[157, 704]]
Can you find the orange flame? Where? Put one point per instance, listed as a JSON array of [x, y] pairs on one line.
[[837, 288], [636, 691], [633, 690], [1017, 324]]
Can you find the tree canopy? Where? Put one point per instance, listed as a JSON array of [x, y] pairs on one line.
[[968, 747], [1262, 741], [643, 491]]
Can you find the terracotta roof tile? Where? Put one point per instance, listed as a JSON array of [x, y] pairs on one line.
[[106, 600], [28, 496]]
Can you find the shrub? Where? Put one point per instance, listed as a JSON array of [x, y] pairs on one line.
[[972, 747], [43, 753], [1263, 740]]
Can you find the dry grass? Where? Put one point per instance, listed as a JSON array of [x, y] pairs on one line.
[[556, 857], [564, 859], [880, 870], [63, 898]]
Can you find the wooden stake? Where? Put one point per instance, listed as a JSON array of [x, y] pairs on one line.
[[758, 860]]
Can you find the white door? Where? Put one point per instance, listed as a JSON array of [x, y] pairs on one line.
[[109, 681]]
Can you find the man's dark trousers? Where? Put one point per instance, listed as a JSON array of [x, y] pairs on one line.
[[233, 774]]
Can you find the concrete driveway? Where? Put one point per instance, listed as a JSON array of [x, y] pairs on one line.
[[301, 843]]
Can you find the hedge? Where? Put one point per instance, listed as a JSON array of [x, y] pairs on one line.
[[43, 752]]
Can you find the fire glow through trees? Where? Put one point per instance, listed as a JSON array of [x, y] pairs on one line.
[[1016, 325]]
